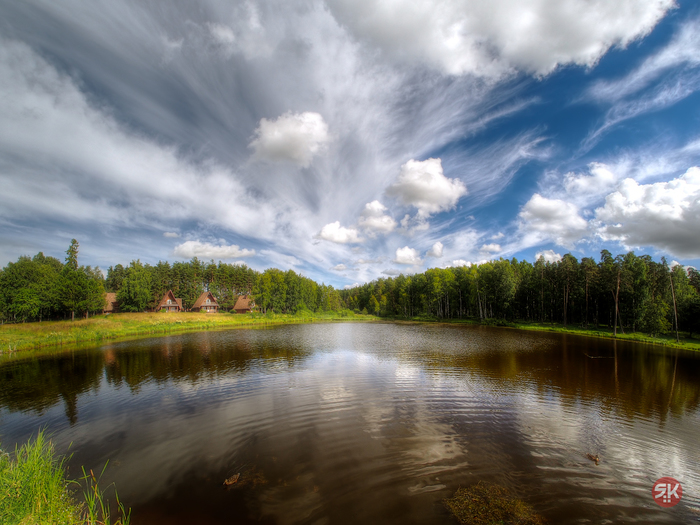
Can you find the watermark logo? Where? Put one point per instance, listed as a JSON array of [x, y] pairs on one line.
[[667, 492]]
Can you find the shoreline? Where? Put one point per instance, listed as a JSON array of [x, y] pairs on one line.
[[30, 339]]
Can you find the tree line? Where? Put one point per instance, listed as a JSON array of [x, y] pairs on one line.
[[624, 293], [43, 287]]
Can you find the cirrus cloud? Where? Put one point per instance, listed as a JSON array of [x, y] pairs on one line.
[[191, 249]]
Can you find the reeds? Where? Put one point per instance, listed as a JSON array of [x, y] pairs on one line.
[[34, 490]]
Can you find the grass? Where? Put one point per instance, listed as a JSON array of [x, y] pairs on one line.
[[34, 490], [26, 338], [486, 504]]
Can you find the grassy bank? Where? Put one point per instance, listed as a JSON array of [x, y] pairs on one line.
[[30, 338], [668, 340], [34, 490], [20, 339]]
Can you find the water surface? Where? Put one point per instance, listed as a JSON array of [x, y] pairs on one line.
[[340, 423]]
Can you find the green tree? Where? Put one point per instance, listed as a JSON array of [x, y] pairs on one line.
[[135, 292]]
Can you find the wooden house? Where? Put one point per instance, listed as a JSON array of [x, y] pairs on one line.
[[169, 303], [111, 305], [244, 304], [206, 303]]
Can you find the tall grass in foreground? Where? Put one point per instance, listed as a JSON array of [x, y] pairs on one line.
[[34, 490]]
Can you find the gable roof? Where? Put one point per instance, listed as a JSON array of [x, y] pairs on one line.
[[169, 295], [110, 302], [201, 300], [243, 303]]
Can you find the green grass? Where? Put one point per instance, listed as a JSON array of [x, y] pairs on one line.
[[27, 338], [34, 490]]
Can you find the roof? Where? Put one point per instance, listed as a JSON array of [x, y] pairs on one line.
[[243, 303], [169, 295], [110, 302], [203, 298]]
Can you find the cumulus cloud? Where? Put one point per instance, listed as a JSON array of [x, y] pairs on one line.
[[436, 250], [171, 235], [491, 38], [293, 137], [664, 214], [459, 263], [334, 232], [190, 249], [490, 248], [549, 256], [407, 255], [392, 272], [374, 220], [552, 219], [351, 286], [600, 180], [497, 236], [339, 268], [422, 184]]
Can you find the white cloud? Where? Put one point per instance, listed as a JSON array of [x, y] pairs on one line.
[[490, 248], [391, 272], [334, 232], [351, 286], [664, 214], [497, 236], [407, 255], [490, 38], [552, 219], [339, 268], [436, 250], [190, 249], [600, 180], [375, 220], [457, 263], [171, 235], [293, 137], [422, 184], [549, 256]]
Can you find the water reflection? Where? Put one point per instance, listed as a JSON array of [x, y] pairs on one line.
[[374, 422]]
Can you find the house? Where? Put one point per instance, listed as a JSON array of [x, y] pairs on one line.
[[244, 304], [206, 303], [111, 305], [169, 303]]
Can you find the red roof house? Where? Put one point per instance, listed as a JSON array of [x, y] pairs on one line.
[[169, 303], [244, 304], [111, 304], [206, 303]]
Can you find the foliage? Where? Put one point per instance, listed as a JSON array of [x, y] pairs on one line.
[[135, 292], [486, 504]]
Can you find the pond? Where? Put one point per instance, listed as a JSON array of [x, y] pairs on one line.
[[376, 423]]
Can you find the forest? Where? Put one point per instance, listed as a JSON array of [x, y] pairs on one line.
[[625, 293]]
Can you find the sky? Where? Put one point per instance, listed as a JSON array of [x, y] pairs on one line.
[[349, 140]]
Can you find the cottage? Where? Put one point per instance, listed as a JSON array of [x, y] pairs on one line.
[[206, 303], [111, 305], [169, 303], [244, 304]]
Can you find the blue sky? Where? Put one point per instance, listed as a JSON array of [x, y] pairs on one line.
[[349, 139]]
